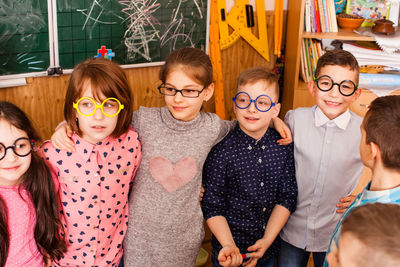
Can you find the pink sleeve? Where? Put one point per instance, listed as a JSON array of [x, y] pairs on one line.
[[44, 151]]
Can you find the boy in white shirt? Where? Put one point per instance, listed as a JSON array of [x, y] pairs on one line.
[[328, 166]]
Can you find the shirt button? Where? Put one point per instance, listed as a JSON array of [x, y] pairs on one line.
[[264, 209], [263, 147], [259, 160], [95, 175], [249, 147], [262, 184], [75, 179]]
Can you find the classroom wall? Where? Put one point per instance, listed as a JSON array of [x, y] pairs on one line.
[[43, 97]]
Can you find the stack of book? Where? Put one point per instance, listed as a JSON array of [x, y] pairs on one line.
[[385, 76], [311, 51], [320, 16]]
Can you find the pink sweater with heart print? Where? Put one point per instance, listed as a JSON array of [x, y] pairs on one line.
[[165, 219]]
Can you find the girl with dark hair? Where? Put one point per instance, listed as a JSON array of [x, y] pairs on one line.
[[30, 230]]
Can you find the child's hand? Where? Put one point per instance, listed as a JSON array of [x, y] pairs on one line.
[[229, 256], [258, 250], [283, 130], [333, 259], [61, 139], [201, 193], [344, 203]]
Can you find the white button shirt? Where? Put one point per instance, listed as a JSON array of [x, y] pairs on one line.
[[328, 167]]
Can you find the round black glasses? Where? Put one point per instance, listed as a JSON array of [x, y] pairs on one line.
[[346, 87], [22, 147]]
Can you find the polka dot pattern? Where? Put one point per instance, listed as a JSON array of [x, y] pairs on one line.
[[244, 179], [23, 250]]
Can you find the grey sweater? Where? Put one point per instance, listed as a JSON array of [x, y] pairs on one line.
[[165, 219]]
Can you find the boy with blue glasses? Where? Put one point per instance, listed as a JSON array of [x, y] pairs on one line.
[[328, 166], [249, 179]]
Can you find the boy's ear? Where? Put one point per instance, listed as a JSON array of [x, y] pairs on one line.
[[357, 94], [208, 92], [375, 151], [275, 110], [310, 85]]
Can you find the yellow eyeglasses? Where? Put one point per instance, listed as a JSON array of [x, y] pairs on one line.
[[87, 106]]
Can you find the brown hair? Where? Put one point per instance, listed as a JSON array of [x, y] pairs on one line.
[[39, 183], [382, 126], [377, 227], [193, 61], [256, 74], [338, 57], [105, 77]]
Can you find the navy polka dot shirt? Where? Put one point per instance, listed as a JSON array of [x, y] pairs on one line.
[[243, 180]]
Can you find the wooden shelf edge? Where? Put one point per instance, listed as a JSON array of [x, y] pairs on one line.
[[341, 35]]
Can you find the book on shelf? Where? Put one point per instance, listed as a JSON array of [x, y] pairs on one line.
[[320, 16], [371, 55], [311, 51]]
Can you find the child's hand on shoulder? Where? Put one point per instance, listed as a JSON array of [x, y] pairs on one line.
[[61, 138], [344, 203], [257, 251], [229, 256], [281, 127]]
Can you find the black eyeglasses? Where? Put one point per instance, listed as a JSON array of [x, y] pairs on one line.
[[263, 103], [22, 147], [171, 91], [346, 87]]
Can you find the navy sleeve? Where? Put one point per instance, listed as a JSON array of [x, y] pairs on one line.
[[287, 193], [214, 182]]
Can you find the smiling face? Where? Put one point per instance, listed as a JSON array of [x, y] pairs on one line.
[[332, 103], [12, 167], [98, 126], [253, 122], [184, 108]]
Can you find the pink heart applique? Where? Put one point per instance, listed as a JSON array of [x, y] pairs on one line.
[[172, 176]]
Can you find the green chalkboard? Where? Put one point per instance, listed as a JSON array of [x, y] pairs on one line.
[[137, 31], [24, 38]]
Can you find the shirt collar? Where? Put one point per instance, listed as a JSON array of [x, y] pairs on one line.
[[86, 149], [246, 139], [340, 121]]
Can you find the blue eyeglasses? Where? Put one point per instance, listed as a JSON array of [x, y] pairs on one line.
[[263, 103]]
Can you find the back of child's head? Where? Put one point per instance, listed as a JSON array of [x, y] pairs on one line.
[[193, 61], [382, 127], [38, 182], [377, 227], [105, 78], [253, 75], [337, 57]]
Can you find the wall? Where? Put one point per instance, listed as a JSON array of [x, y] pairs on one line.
[[43, 98]]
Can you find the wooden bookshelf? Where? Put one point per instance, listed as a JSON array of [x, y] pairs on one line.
[[295, 92], [341, 35]]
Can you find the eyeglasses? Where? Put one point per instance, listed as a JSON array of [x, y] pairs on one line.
[[263, 103], [86, 106], [325, 83], [22, 147], [167, 90]]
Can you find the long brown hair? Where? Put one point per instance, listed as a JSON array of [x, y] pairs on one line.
[[38, 182]]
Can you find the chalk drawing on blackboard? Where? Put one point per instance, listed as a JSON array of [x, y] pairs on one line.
[[139, 14], [23, 37], [139, 31]]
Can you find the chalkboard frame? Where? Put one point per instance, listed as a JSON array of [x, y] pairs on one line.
[[54, 47]]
